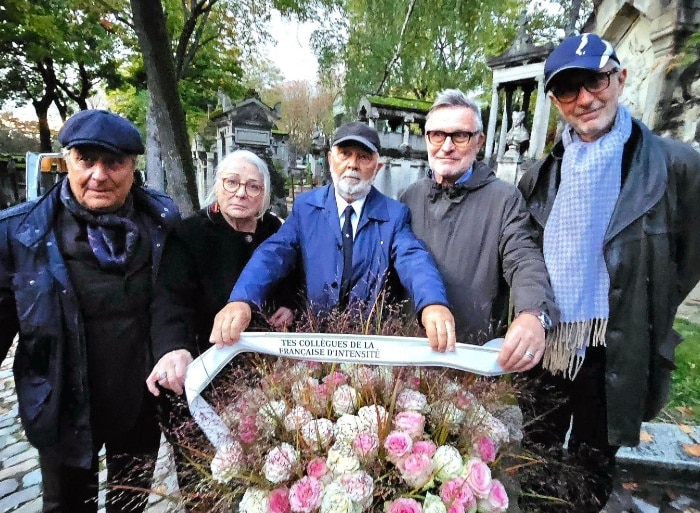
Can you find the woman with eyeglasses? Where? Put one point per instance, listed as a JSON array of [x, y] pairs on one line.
[[202, 260]]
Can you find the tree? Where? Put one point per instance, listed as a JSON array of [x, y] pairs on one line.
[[52, 53], [305, 109], [416, 48]]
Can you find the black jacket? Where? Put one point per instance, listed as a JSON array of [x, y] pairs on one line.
[[652, 252]]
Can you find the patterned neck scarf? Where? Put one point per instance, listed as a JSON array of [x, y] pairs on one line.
[[573, 242], [112, 236]]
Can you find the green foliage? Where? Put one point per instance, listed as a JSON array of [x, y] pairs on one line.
[[686, 378]]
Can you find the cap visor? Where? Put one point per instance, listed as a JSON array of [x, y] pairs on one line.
[[357, 139]]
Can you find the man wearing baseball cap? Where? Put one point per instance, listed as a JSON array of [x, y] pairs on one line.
[[617, 210], [351, 274], [76, 270]]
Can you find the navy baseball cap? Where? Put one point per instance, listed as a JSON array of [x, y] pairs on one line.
[[357, 131], [585, 51], [101, 128]]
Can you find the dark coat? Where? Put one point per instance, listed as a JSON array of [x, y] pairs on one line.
[[203, 258], [652, 252], [38, 301], [484, 243], [384, 243]]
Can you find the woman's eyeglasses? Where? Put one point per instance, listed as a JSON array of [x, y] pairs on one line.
[[252, 189], [594, 83]]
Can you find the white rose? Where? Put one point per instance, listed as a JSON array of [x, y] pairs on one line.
[[433, 504], [447, 462], [273, 412], [227, 462], [337, 500], [318, 433], [254, 501], [296, 418], [372, 417], [346, 428], [411, 400], [344, 400], [280, 462], [342, 460]]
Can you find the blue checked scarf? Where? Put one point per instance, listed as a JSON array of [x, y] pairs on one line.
[[573, 242], [112, 236]]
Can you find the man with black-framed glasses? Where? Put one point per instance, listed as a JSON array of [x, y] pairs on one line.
[[477, 228], [618, 216]]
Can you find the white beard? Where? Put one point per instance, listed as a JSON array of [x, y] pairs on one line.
[[350, 190]]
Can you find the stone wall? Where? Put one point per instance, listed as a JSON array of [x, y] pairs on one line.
[[649, 36]]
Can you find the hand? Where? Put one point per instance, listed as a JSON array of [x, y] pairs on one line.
[[170, 372], [229, 323], [523, 346], [282, 318], [439, 325]]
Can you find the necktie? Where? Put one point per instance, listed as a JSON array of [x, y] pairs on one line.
[[347, 257]]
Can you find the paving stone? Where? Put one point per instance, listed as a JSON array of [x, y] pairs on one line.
[[15, 499], [7, 486], [13, 449], [30, 453], [18, 469], [31, 479], [30, 507]]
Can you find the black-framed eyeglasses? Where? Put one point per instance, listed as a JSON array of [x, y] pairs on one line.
[[459, 137], [594, 83], [252, 189]]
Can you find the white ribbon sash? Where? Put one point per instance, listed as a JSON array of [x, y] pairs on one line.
[[328, 347]]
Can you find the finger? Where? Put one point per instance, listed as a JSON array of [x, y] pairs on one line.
[[431, 332], [441, 330], [215, 337], [451, 335], [151, 384]]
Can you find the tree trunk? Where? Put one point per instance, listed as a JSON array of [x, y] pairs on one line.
[[149, 23], [154, 164], [41, 107]]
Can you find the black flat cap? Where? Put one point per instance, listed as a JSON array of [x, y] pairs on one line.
[[101, 128]]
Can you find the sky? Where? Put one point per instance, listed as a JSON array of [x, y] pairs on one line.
[[292, 53]]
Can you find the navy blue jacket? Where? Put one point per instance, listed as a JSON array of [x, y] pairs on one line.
[[38, 301], [311, 235]]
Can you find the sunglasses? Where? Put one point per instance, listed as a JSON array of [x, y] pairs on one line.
[[567, 92]]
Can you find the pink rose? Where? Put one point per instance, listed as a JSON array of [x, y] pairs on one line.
[[478, 477], [278, 501], [248, 429], [485, 449], [318, 469], [424, 447], [416, 469], [366, 445], [497, 501], [335, 379], [397, 444], [404, 505], [456, 490], [305, 495], [456, 507], [411, 423]]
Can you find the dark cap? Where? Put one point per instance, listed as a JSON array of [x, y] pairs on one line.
[[585, 51], [101, 128], [358, 132]]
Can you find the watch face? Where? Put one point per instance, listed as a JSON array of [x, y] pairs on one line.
[[545, 320]]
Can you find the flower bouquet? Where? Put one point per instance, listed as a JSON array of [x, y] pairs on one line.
[[345, 438]]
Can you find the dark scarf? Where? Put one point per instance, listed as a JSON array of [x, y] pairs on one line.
[[112, 236], [448, 192]]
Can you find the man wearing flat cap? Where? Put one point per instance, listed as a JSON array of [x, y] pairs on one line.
[[617, 211], [347, 238], [76, 270]]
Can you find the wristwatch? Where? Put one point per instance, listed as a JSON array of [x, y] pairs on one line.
[[542, 316]]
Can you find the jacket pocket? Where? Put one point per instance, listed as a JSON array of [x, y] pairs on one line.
[[37, 305], [33, 392]]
